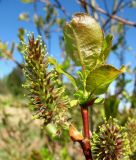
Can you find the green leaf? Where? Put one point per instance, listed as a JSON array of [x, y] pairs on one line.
[[107, 45], [66, 63], [100, 78], [60, 70], [99, 100], [74, 103], [83, 40]]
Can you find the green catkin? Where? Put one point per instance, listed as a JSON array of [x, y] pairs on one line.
[[111, 142], [43, 85]]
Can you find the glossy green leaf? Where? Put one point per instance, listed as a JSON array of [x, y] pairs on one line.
[[107, 45], [83, 40], [100, 78], [60, 70]]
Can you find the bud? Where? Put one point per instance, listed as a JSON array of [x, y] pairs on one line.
[[74, 134]]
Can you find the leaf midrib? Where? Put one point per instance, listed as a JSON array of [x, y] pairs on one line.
[[78, 47]]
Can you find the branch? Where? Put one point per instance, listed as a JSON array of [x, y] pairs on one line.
[[85, 143], [122, 20], [59, 6], [85, 6], [85, 117], [114, 11]]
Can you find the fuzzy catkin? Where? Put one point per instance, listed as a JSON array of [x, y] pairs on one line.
[[131, 130], [111, 142], [44, 86]]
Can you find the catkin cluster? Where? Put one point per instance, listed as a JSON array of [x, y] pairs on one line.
[[44, 87]]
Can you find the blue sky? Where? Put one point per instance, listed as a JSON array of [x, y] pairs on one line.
[[9, 24]]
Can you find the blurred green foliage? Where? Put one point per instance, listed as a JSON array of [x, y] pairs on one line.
[[14, 82]]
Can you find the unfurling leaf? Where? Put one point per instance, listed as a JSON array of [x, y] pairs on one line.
[[74, 103], [107, 44], [100, 78], [83, 40]]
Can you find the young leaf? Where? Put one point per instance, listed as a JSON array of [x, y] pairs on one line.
[[83, 40], [107, 44], [74, 103], [99, 79], [60, 70]]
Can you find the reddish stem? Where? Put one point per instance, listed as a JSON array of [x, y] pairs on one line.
[[85, 117], [85, 144]]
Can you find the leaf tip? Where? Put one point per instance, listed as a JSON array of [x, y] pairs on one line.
[[123, 69]]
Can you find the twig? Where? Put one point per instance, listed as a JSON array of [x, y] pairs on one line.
[[85, 6], [122, 20], [85, 144], [62, 9], [106, 6], [114, 11], [85, 117]]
